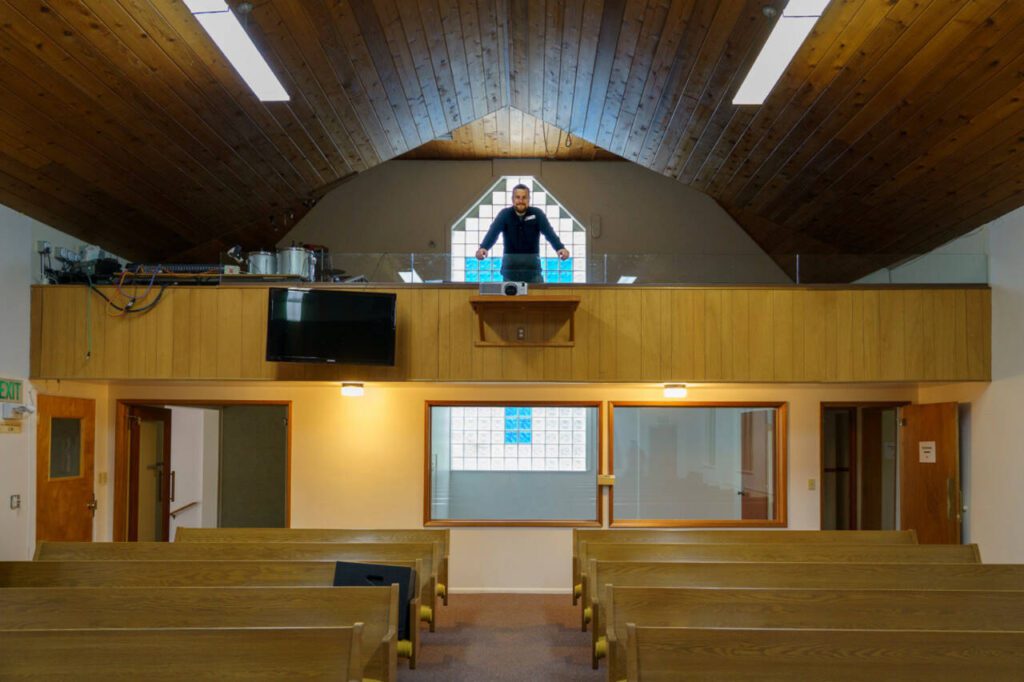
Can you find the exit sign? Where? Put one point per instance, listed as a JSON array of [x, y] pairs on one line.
[[10, 391]]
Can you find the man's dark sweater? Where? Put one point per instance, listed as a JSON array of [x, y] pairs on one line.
[[521, 234]]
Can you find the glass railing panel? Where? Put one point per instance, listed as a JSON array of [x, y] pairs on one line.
[[685, 269]]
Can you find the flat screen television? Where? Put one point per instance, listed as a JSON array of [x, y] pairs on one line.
[[322, 325]]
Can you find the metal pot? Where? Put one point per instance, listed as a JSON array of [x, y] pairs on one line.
[[262, 263], [296, 261]]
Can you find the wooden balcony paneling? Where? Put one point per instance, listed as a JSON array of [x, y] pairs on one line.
[[648, 334]]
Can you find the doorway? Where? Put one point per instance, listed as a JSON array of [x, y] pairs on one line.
[[234, 472], [859, 466]]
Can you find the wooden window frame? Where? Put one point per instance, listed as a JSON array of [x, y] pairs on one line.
[[780, 459], [544, 523]]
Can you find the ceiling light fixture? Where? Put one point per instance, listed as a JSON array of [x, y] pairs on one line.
[[675, 390], [352, 389], [786, 38], [223, 26]]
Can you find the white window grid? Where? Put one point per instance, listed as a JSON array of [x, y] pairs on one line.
[[469, 231], [480, 439]]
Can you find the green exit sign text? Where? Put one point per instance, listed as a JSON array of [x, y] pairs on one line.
[[10, 391]]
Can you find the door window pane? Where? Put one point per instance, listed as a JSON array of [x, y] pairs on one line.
[[685, 464], [65, 447]]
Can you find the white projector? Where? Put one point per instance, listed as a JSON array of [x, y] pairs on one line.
[[503, 288]]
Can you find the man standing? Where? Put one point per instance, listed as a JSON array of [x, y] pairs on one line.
[[520, 226]]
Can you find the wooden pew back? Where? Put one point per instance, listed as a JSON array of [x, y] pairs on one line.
[[58, 608], [427, 553], [649, 536], [133, 573], [442, 536], [772, 552], [744, 655], [986, 577], [877, 609], [182, 653]]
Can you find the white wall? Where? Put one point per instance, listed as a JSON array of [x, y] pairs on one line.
[[15, 449], [186, 463], [996, 437], [19, 267]]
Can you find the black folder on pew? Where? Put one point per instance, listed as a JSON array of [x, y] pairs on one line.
[[349, 574]]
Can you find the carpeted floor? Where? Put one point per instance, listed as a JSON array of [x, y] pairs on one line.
[[505, 638]]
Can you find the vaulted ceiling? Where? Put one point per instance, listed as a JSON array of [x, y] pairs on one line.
[[896, 127]]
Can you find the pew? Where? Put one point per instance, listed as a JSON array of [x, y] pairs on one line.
[[647, 536], [872, 609], [438, 535], [158, 574], [785, 655], [427, 553], [58, 608], [175, 654], [771, 552], [780, 575]]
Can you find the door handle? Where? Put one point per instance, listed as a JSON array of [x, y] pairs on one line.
[[91, 505], [172, 485]]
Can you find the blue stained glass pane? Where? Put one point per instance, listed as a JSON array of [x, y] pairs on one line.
[[472, 276], [511, 411], [526, 412], [525, 424], [510, 424], [472, 264], [565, 264], [550, 263], [511, 437], [525, 437]]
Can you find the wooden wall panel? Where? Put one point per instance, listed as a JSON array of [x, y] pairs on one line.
[[629, 334]]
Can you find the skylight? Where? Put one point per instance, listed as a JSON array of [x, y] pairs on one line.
[[789, 33], [223, 27]]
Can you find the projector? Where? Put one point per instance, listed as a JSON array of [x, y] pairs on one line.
[[503, 288]]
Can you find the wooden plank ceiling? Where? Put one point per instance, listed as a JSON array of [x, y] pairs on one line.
[[511, 133], [897, 126]]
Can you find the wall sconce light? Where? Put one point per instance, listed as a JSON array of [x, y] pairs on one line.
[[352, 389], [675, 390]]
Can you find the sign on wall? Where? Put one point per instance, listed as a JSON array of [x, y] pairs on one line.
[[10, 391]]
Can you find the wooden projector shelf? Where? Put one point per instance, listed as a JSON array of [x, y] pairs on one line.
[[525, 320]]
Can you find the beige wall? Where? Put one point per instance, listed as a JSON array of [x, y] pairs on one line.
[[359, 462], [410, 206]]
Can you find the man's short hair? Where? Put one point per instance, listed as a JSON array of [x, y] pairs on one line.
[[521, 186]]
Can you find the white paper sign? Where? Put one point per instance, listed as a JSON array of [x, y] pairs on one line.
[[926, 451]]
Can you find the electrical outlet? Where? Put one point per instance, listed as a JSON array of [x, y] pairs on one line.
[[811, 484], [43, 247], [520, 333], [102, 478]]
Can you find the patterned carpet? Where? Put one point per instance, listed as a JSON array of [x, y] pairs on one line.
[[505, 638]]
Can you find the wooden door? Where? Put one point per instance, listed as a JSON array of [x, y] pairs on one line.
[[930, 472], [149, 474], [65, 442]]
